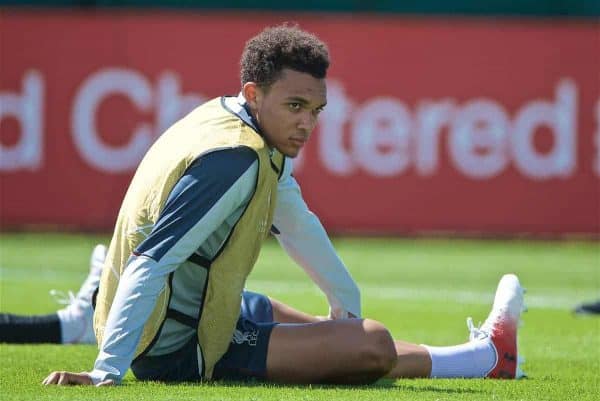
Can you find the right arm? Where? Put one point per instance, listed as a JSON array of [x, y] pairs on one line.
[[212, 188]]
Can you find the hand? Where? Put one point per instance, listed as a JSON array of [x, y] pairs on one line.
[[69, 378]]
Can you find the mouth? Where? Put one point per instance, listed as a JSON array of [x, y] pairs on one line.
[[298, 141]]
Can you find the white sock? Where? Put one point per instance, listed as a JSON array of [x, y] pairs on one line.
[[473, 359], [76, 324], [70, 328]]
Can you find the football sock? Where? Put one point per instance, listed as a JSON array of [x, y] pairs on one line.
[[18, 329], [72, 324], [473, 359]]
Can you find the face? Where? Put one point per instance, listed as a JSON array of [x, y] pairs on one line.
[[287, 111]]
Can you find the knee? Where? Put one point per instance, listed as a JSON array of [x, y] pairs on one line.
[[379, 353]]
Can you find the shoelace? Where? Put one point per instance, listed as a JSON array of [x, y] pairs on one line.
[[70, 301], [475, 333], [63, 298]]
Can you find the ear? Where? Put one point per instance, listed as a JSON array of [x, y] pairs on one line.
[[252, 94]]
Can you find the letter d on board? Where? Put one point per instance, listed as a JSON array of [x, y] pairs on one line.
[[28, 109], [561, 118]]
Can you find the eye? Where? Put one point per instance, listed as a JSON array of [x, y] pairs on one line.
[[294, 106], [318, 110]]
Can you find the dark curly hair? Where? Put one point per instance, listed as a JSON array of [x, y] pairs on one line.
[[283, 46]]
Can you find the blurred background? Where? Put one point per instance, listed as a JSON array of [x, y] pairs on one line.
[[462, 117]]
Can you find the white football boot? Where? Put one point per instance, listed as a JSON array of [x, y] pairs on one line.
[[501, 328], [77, 316]]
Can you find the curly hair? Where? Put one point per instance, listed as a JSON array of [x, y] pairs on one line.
[[283, 46]]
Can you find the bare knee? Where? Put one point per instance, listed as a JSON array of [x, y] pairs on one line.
[[378, 353]]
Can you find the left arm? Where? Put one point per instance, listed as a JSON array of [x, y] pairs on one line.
[[303, 237]]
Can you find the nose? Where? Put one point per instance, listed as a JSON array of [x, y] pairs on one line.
[[307, 122]]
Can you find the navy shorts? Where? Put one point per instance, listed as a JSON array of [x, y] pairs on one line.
[[246, 357]]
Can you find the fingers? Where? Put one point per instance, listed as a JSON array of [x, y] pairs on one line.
[[67, 378], [107, 382], [52, 378], [63, 379]]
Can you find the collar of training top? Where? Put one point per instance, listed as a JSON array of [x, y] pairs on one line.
[[239, 107]]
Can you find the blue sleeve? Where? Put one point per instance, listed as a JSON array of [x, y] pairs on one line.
[[195, 194]]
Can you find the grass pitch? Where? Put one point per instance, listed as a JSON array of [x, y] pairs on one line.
[[421, 289]]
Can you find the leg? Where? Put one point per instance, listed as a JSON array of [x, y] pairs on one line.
[[354, 351], [590, 308], [69, 325], [491, 351], [412, 361], [350, 351], [16, 329]]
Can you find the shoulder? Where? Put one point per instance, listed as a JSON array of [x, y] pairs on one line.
[[216, 173], [226, 164]]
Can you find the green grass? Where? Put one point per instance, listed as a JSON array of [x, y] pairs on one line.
[[421, 289]]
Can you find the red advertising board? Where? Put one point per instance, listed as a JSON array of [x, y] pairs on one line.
[[456, 125]]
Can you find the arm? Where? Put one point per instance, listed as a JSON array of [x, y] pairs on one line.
[[214, 187], [303, 237]]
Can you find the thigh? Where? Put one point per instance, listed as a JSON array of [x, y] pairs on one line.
[[350, 351], [246, 357], [178, 366]]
